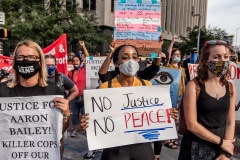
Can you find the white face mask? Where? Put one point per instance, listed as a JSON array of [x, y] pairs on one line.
[[129, 68]]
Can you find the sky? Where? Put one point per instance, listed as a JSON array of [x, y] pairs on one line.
[[225, 14]]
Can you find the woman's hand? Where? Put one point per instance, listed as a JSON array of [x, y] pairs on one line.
[[228, 145], [84, 121], [82, 43], [174, 113], [62, 104]]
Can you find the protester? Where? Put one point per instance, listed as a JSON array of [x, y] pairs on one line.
[[63, 82], [70, 57], [147, 73], [175, 63], [192, 60], [126, 58], [210, 120], [78, 76], [233, 56], [30, 77]]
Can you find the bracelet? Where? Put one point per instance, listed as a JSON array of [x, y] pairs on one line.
[[221, 142], [228, 155]]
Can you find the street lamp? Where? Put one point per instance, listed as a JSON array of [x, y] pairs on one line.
[[236, 35], [199, 22]]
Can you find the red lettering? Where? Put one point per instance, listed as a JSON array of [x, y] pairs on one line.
[[127, 118]]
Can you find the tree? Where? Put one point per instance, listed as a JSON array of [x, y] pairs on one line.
[[206, 34], [45, 20]]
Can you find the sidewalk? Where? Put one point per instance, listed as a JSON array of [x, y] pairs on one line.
[[76, 147]]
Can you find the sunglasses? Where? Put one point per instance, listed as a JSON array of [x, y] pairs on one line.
[[212, 42]]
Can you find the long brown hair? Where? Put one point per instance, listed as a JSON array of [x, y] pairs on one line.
[[203, 68]]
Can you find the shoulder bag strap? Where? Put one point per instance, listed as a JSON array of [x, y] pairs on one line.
[[230, 87], [197, 87]]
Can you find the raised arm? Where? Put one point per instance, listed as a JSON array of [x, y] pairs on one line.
[[174, 38], [85, 51], [107, 61]]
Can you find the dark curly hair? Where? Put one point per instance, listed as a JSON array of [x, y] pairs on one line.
[[202, 67]]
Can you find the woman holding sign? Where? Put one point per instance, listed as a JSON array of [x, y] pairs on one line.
[[210, 118], [126, 58], [30, 78]]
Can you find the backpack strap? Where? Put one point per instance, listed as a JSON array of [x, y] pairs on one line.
[[197, 87], [230, 87], [142, 81], [110, 84]]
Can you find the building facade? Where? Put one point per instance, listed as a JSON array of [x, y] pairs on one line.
[[176, 15]]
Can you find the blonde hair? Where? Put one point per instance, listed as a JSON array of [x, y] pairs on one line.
[[42, 80]]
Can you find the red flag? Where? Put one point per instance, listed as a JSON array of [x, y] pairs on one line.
[[6, 63], [5, 59], [59, 49], [6, 66]]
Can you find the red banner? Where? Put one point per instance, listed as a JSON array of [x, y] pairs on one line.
[[6, 63], [59, 49]]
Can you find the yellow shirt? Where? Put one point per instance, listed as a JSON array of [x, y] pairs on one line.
[[182, 81], [115, 83]]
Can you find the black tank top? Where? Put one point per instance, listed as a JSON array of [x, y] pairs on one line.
[[211, 113]]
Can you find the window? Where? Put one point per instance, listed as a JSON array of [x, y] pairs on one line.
[[112, 6], [92, 4], [70, 5]]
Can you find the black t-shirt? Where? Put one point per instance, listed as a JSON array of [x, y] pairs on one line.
[[21, 91], [64, 82]]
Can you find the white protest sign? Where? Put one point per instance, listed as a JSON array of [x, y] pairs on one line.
[[128, 115], [93, 64], [30, 128], [192, 70]]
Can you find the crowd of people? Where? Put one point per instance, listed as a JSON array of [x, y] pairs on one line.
[[209, 117]]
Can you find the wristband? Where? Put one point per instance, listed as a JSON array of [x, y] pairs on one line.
[[228, 155], [221, 142]]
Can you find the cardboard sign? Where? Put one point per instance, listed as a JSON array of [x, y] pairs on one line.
[[167, 76], [138, 23], [30, 128], [128, 115]]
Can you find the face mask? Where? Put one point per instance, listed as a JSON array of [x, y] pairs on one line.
[[176, 59], [129, 68], [218, 67], [193, 58], [51, 70], [27, 68]]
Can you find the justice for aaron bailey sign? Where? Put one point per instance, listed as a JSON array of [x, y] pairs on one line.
[[30, 128], [128, 115]]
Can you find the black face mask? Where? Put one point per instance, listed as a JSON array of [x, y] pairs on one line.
[[27, 68]]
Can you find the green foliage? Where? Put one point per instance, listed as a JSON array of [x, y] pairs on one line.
[[44, 21], [205, 34]]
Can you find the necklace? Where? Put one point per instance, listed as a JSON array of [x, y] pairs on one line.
[[215, 91]]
